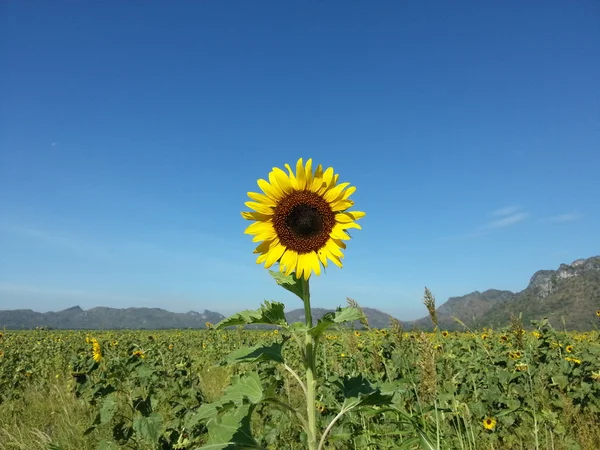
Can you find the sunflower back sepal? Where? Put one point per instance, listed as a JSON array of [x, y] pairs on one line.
[[270, 313], [290, 283]]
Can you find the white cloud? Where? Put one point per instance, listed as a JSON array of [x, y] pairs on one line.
[[508, 216], [507, 221], [568, 217], [507, 211]]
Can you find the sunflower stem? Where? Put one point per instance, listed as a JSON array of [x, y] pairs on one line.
[[310, 366]]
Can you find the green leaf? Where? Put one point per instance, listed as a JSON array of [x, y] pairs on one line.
[[270, 313], [257, 353], [149, 428], [358, 391], [231, 430], [342, 315], [229, 425], [290, 283], [245, 389], [108, 409]]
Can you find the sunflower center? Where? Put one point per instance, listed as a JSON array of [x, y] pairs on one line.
[[303, 221]]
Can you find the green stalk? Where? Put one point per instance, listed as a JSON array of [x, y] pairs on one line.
[[310, 366]]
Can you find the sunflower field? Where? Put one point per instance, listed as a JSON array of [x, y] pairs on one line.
[[494, 389]]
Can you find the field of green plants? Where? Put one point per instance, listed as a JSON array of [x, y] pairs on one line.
[[377, 389]]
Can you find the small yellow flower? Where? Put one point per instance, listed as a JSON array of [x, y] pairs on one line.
[[203, 345], [521, 367], [342, 355], [569, 349], [504, 338], [484, 336], [357, 333], [209, 325], [170, 346], [515, 355], [598, 313], [96, 351], [275, 331], [537, 334], [573, 360], [139, 353], [444, 333], [489, 423]]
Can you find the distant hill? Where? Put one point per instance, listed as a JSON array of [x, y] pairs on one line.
[[572, 293], [102, 318]]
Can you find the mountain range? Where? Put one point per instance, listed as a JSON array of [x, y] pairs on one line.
[[568, 296]]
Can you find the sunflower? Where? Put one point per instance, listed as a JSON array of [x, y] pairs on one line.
[[445, 333], [598, 313], [96, 351], [569, 349], [489, 423], [302, 219]]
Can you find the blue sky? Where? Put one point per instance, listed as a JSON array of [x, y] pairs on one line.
[[130, 133]]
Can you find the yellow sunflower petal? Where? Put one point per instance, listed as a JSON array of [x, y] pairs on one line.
[[345, 226], [335, 260], [292, 177], [344, 217], [264, 236], [333, 194], [271, 191], [258, 227], [253, 215], [322, 254], [351, 190], [289, 261], [263, 247], [332, 248], [315, 265], [356, 214], [300, 266], [308, 173], [338, 233], [259, 207], [317, 181], [341, 205], [300, 176], [282, 180], [260, 198], [274, 254], [328, 176]]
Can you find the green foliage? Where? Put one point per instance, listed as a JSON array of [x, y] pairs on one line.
[[289, 283], [271, 313], [147, 393]]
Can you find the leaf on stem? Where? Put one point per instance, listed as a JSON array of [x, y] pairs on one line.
[[270, 313], [342, 315]]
